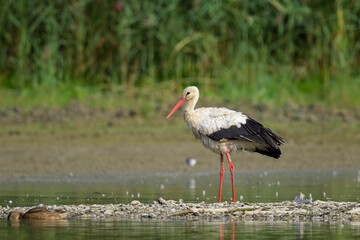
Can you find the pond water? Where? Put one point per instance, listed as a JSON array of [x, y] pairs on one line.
[[255, 186], [251, 186], [148, 229]]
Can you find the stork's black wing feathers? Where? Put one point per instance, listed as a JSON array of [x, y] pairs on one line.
[[252, 131]]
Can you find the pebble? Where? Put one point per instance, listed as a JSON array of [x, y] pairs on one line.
[[305, 211]]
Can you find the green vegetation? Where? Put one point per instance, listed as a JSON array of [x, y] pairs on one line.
[[138, 52]]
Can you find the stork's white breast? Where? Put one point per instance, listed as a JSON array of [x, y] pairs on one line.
[[210, 120]]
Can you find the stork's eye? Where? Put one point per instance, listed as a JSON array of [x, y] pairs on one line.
[[187, 93]]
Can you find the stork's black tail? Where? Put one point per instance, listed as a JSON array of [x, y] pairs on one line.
[[263, 140], [268, 140], [273, 141]]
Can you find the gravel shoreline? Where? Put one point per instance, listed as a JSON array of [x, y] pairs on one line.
[[317, 211]]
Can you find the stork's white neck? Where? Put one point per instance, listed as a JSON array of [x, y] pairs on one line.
[[189, 111], [190, 105]]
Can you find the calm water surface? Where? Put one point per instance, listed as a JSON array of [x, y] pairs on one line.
[[190, 187], [147, 229], [254, 186]]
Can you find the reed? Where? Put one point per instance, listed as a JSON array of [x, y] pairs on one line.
[[265, 51]]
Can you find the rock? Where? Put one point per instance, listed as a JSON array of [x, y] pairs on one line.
[[319, 202], [166, 202], [354, 211], [108, 212], [300, 198], [299, 211], [162, 201], [135, 202]]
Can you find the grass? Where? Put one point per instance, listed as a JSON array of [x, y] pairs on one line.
[[134, 54], [275, 93]]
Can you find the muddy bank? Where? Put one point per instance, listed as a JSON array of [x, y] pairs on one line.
[[127, 151], [318, 211], [78, 140], [101, 156]]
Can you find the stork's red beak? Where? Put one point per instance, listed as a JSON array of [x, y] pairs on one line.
[[179, 103]]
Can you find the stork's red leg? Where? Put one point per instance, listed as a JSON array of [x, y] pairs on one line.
[[221, 175], [231, 165]]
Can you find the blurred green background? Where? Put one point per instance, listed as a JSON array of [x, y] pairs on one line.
[[115, 54], [86, 85]]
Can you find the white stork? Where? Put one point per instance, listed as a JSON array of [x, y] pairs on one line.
[[223, 131]]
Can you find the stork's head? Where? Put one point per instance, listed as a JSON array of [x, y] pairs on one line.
[[189, 93]]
